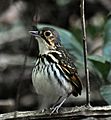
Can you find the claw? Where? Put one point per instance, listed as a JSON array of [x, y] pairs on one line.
[[55, 109], [43, 110]]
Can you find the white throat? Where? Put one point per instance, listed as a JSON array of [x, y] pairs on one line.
[[42, 46]]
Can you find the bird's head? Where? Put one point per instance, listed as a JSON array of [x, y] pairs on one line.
[[48, 39]]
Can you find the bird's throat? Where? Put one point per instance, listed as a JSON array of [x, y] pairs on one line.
[[42, 46]]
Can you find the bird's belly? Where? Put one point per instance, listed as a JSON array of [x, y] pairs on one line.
[[43, 85], [46, 84]]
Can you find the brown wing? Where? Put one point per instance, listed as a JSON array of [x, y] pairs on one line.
[[67, 65], [73, 78]]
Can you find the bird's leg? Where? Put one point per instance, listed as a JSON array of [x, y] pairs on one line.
[[57, 107], [58, 101]]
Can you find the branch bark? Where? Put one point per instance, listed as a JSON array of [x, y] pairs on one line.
[[85, 53], [65, 113]]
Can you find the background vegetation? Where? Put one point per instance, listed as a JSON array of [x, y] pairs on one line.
[[17, 18]]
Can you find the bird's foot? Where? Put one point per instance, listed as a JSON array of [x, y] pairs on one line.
[[55, 109], [42, 110]]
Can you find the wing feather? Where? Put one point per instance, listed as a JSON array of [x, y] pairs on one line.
[[67, 64], [73, 78]]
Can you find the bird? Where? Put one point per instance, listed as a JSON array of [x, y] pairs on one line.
[[54, 75]]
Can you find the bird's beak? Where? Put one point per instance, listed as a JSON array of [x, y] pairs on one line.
[[34, 33]]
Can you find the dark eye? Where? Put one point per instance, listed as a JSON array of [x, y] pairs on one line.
[[47, 33]]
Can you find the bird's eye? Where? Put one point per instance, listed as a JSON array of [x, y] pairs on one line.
[[47, 33]]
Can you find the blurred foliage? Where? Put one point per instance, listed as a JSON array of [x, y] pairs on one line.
[[106, 93], [101, 64], [107, 40], [105, 89], [62, 2]]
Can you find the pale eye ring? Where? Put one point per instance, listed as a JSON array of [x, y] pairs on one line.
[[47, 33]]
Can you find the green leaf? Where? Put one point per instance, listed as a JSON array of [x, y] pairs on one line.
[[101, 64], [93, 31], [106, 93], [98, 58], [67, 40], [107, 40]]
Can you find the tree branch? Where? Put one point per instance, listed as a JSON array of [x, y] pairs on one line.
[[65, 113], [85, 54]]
